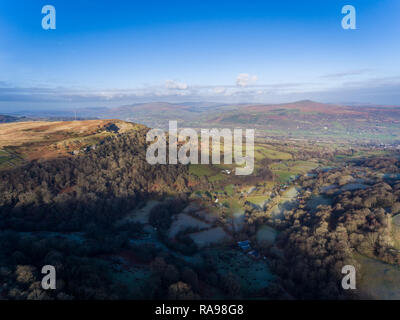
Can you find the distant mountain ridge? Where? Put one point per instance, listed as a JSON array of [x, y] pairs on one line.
[[8, 119], [304, 106], [301, 119]]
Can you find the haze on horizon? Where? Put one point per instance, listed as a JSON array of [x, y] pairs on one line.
[[175, 51]]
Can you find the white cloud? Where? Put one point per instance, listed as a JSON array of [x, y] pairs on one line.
[[244, 79], [346, 74], [374, 90], [172, 84], [219, 90]]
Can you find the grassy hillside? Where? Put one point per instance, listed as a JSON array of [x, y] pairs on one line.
[[21, 142]]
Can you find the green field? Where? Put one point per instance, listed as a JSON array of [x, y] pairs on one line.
[[201, 170], [379, 280], [257, 199], [229, 190], [285, 170], [8, 159], [262, 151]]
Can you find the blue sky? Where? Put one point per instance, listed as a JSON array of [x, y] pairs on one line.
[[106, 53]]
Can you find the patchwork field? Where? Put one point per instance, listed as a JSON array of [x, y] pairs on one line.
[[183, 221], [286, 170], [262, 151], [286, 202], [210, 237]]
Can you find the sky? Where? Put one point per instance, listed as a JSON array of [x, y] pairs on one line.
[[110, 53]]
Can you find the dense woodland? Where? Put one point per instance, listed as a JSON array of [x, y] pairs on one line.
[[89, 193], [318, 243], [66, 194]]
